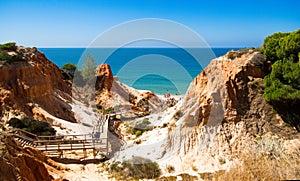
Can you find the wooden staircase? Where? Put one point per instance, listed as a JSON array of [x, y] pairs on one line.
[[57, 145]]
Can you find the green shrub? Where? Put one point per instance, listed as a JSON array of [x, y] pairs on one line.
[[4, 56], [283, 83], [271, 45], [116, 166], [9, 58], [138, 133], [109, 110], [37, 127], [237, 54], [16, 123], [177, 115], [69, 67], [137, 168], [281, 46], [11, 46], [141, 127], [289, 47], [146, 121]]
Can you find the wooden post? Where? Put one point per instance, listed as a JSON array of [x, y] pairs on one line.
[[94, 153], [61, 153], [70, 141], [106, 147], [84, 152]]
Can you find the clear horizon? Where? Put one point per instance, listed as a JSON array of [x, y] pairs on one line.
[[139, 47], [74, 24]]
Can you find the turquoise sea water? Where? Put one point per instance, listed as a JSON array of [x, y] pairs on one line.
[[157, 69]]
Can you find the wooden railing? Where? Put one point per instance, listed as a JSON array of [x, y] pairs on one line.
[[64, 142], [24, 133], [69, 142]]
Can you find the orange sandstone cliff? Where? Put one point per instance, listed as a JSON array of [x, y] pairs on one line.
[[33, 82], [225, 114]]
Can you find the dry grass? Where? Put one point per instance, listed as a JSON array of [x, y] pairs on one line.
[[269, 160], [264, 167]]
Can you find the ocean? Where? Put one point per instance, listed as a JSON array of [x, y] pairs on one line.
[[157, 69]]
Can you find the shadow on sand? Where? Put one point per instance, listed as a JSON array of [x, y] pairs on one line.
[[78, 161]]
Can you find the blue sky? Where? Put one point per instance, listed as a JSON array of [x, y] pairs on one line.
[[74, 23]]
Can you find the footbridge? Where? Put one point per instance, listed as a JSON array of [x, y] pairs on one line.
[[55, 146]]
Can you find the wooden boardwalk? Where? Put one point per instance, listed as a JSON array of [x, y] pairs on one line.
[[57, 145], [72, 142]]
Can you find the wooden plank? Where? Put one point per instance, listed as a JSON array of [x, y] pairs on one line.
[[70, 146], [72, 140], [66, 142]]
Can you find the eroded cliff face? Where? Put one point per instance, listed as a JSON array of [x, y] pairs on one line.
[[19, 163], [224, 113], [104, 79], [111, 93], [31, 83], [232, 91]]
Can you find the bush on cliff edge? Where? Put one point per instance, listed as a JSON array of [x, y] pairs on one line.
[[8, 47], [37, 127], [283, 83]]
